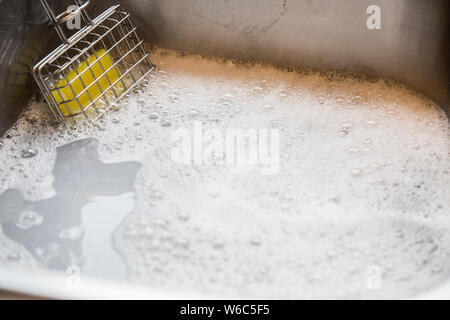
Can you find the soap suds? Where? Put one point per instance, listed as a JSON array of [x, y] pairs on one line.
[[362, 187]]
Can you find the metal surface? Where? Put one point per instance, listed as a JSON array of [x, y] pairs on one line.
[[23, 36], [327, 34], [112, 32], [411, 47], [51, 285]]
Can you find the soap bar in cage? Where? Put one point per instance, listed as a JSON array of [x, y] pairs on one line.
[[95, 67], [81, 86]]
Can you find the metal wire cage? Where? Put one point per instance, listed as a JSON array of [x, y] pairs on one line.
[[95, 67]]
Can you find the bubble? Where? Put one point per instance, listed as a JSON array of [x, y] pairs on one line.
[[256, 241], [29, 219], [184, 216], [73, 233], [214, 195], [183, 243], [356, 172], [192, 113], [218, 243], [165, 123], [29, 153], [13, 256], [372, 123], [153, 116]]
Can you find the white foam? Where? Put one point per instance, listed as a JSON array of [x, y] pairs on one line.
[[364, 181]]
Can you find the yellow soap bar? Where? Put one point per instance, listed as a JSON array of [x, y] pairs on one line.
[[64, 92]]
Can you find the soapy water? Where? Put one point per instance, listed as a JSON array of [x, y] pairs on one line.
[[358, 209], [65, 229]]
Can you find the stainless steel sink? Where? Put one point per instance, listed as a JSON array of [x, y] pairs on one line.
[[412, 47]]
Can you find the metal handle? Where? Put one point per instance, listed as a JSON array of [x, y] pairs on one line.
[[65, 16]]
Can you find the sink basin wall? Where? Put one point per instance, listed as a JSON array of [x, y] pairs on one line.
[[411, 46]]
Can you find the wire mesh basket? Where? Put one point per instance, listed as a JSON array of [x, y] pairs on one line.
[[95, 67]]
